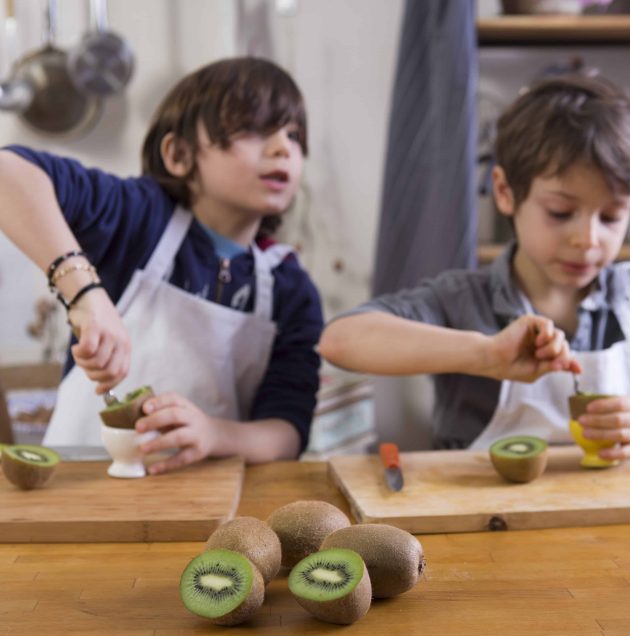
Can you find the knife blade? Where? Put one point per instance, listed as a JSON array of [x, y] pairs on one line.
[[391, 462]]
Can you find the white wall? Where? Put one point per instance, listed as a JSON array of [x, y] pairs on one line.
[[342, 54]]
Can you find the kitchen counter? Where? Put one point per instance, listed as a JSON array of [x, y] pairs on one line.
[[572, 581]]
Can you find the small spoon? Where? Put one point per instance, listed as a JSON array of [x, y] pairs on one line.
[[576, 386]]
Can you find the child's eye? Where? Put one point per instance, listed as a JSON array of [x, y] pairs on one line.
[[559, 215], [294, 135], [610, 220]]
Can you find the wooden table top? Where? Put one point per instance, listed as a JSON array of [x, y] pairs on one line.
[[572, 581]]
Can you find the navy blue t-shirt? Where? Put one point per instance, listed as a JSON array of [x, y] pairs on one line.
[[118, 222]]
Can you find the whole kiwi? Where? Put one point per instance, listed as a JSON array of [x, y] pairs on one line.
[[253, 538], [393, 557], [302, 525]]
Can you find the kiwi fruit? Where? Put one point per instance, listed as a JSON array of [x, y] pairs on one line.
[[302, 525], [124, 413], [223, 586], [520, 458], [29, 466], [253, 538], [333, 585], [393, 557]]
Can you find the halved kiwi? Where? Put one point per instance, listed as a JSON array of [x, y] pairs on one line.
[[333, 585], [223, 586], [29, 466], [393, 557], [302, 525], [520, 458], [124, 413], [253, 538]]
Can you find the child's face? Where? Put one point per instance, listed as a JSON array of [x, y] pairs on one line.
[[256, 175], [568, 228]]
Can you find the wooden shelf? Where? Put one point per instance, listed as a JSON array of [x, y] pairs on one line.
[[487, 252], [510, 30]]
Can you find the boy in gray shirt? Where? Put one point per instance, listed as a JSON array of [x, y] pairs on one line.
[[501, 340]]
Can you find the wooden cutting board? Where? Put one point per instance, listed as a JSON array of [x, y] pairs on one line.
[[83, 504], [459, 491]]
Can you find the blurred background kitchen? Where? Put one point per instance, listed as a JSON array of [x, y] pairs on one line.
[[375, 74]]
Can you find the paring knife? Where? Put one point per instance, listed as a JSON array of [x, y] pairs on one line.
[[391, 462]]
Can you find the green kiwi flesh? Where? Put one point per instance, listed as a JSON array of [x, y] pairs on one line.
[[123, 414], [29, 466], [520, 458], [333, 585], [253, 538], [393, 557], [302, 525], [223, 586]]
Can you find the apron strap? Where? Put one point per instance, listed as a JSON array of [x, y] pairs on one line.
[[264, 263], [169, 243]]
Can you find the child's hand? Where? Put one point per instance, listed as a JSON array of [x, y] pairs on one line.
[[184, 427], [609, 419], [530, 347], [103, 350]]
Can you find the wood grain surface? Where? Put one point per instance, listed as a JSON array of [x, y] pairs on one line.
[[82, 503], [557, 582], [459, 491]]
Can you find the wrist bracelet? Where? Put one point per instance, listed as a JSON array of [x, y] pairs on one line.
[[60, 259], [69, 304], [79, 267]]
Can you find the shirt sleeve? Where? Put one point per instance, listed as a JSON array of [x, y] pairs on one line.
[[289, 388]]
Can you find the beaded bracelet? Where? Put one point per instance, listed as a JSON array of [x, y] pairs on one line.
[[79, 267], [60, 259]]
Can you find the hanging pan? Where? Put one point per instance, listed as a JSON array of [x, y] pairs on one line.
[[102, 64], [57, 106]]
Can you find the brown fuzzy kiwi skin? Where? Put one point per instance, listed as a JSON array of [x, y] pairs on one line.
[[126, 415], [302, 525], [248, 607], [26, 476], [345, 610], [393, 557], [254, 539], [520, 469]]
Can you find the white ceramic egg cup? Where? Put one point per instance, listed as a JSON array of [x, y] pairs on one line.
[[123, 444]]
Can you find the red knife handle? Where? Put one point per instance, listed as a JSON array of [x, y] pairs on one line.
[[389, 455]]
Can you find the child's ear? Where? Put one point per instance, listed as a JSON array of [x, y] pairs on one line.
[[176, 155], [503, 195]]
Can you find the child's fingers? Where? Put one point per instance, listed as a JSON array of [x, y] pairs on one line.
[[609, 405], [619, 420], [556, 346], [183, 458]]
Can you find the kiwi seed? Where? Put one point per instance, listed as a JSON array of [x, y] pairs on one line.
[[333, 585], [393, 557], [223, 586]]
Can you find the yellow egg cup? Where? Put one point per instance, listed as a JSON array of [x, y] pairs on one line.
[[591, 447]]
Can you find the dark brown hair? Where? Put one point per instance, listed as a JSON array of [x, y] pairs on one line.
[[229, 96], [558, 122]]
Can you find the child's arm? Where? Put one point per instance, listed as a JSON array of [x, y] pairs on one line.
[[609, 419], [380, 343], [197, 435], [31, 218]]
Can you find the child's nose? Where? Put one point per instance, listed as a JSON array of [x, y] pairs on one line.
[[278, 143], [585, 234]]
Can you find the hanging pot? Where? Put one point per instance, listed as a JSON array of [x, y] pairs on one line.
[[103, 62], [15, 95], [57, 106]]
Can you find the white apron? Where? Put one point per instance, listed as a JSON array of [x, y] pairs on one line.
[[542, 408], [213, 355]]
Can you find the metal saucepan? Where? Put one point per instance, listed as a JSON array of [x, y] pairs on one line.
[[57, 106], [103, 62], [15, 95]]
